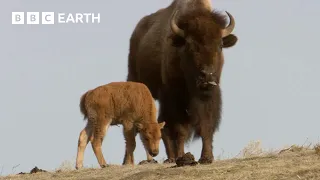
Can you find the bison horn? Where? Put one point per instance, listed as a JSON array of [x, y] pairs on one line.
[[230, 27], [174, 26]]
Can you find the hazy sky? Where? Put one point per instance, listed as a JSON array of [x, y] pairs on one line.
[[270, 80]]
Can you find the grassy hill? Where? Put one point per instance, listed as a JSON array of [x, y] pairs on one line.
[[296, 162]]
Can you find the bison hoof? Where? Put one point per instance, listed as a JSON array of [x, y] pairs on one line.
[[205, 160], [128, 163], [168, 161], [148, 162]]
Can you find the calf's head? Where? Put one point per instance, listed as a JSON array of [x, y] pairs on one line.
[[150, 134], [199, 38]]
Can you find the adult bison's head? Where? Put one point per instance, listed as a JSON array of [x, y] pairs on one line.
[[200, 37]]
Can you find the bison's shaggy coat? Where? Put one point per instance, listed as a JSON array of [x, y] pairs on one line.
[[126, 103], [177, 53]]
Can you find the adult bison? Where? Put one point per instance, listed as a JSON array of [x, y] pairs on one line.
[[177, 53]]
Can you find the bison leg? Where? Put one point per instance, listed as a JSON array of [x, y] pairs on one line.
[[174, 147], [97, 139], [174, 134], [129, 135], [83, 141], [207, 139], [206, 114], [182, 135], [169, 145]]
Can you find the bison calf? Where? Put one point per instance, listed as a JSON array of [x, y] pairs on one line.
[[127, 103]]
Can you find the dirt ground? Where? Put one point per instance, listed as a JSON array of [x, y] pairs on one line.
[[291, 163]]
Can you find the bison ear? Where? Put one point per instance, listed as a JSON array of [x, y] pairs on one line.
[[229, 41], [161, 125], [139, 126]]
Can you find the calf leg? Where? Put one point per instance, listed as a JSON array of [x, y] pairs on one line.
[[96, 142], [129, 135], [83, 140]]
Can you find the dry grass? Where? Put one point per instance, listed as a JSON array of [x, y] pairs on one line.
[[295, 162]]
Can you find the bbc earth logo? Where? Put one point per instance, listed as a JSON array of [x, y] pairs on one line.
[[53, 18]]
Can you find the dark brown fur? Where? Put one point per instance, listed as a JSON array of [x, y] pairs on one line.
[[171, 66], [127, 103]]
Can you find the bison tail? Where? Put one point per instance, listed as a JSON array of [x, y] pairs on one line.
[[82, 105]]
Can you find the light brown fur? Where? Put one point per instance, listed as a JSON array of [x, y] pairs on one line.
[[127, 103]]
